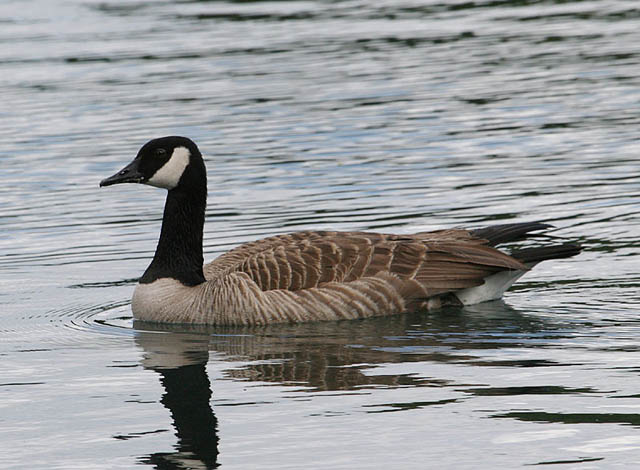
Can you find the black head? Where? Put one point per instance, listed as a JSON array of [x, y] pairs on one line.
[[162, 163]]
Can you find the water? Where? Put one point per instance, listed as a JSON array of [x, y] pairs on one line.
[[387, 116]]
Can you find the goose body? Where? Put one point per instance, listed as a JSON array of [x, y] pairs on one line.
[[311, 275]]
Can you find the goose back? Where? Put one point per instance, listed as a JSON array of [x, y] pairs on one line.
[[308, 259]]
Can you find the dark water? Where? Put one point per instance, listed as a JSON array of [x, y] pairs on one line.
[[390, 116]]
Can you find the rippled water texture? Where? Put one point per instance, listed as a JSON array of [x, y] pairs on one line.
[[388, 116]]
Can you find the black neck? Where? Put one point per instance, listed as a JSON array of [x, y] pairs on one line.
[[179, 251]]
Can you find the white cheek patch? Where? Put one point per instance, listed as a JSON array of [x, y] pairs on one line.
[[169, 174]]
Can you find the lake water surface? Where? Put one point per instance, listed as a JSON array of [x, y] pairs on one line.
[[386, 116]]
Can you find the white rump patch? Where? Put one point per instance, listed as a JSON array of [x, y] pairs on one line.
[[492, 289], [169, 174]]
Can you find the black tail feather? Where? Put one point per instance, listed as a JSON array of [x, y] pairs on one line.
[[506, 233], [497, 234], [542, 253]]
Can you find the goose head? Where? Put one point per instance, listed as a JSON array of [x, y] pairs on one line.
[[168, 162]]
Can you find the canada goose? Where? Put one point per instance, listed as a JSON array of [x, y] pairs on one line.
[[313, 275]]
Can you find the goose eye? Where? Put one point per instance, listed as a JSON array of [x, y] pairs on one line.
[[161, 152]]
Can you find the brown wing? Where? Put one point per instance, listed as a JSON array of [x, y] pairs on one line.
[[229, 260], [429, 263], [299, 260]]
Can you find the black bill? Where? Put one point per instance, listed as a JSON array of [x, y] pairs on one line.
[[129, 174]]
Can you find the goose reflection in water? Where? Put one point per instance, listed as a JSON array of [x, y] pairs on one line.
[[180, 359], [319, 357]]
